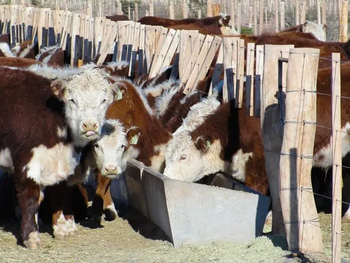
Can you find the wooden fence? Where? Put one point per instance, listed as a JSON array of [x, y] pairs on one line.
[[150, 49]]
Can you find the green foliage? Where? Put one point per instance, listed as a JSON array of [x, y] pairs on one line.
[[247, 31]]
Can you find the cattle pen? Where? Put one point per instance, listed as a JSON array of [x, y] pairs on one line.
[[272, 82]]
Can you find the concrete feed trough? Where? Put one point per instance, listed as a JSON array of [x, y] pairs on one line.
[[191, 213]]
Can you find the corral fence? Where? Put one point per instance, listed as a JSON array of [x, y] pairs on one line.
[[265, 70]]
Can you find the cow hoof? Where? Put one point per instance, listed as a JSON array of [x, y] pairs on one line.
[[97, 218], [110, 213], [64, 228], [33, 241]]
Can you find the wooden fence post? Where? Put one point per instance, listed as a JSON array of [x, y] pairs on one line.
[[184, 9], [136, 18], [209, 8], [343, 21], [261, 16], [151, 8], [276, 16], [297, 16], [171, 10], [337, 159], [300, 216], [272, 148], [318, 12], [250, 78], [282, 15], [239, 22], [324, 12]]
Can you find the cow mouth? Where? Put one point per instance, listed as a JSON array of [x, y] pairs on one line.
[[111, 175], [90, 134]]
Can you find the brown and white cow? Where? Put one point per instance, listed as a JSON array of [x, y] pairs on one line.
[[228, 141], [132, 109], [44, 127]]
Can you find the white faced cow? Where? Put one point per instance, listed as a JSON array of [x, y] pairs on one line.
[[44, 127]]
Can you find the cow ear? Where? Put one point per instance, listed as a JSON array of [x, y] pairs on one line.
[[58, 88], [203, 144], [133, 135], [119, 90]]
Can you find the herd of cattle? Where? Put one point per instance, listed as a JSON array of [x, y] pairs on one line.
[[61, 125]]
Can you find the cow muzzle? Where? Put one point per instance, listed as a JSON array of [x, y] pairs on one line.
[[89, 129], [111, 171]]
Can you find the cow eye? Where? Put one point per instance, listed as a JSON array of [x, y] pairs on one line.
[[183, 157], [103, 101], [123, 147], [96, 146], [72, 102]]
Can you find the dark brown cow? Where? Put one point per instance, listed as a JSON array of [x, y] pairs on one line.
[[44, 127], [116, 18], [299, 39], [207, 25], [17, 62]]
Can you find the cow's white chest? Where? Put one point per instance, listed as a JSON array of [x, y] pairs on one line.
[[51, 165], [324, 158]]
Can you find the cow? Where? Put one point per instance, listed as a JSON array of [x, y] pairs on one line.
[[300, 39], [228, 141], [17, 62], [45, 125], [107, 157], [317, 30], [52, 56], [116, 18], [132, 109], [209, 25]]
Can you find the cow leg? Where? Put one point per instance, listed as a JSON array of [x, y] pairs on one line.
[[108, 205], [63, 222], [28, 194], [102, 187]]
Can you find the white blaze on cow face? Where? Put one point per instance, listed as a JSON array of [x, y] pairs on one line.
[[185, 162], [87, 97], [109, 150]]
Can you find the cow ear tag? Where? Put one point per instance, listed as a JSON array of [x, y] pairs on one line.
[[208, 143], [118, 95], [134, 139]]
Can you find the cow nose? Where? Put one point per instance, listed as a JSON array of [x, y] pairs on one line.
[[89, 126], [111, 169]]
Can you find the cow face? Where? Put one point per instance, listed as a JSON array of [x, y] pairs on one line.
[[188, 160], [86, 97], [111, 151]]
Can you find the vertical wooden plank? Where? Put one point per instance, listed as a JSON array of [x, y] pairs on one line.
[[282, 15], [159, 55], [171, 51], [270, 86], [240, 73], [151, 8], [188, 40], [74, 36], [297, 16], [171, 10], [184, 9], [324, 12], [337, 159], [141, 52], [135, 48], [201, 66], [250, 74], [276, 16], [209, 8], [343, 21], [239, 21], [230, 61], [259, 74], [98, 24], [201, 39], [219, 66], [303, 230], [318, 12], [136, 18]]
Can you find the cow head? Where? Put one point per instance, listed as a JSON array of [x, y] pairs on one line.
[[190, 160], [112, 150], [225, 20], [86, 96]]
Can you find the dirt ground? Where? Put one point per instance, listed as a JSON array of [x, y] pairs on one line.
[[131, 238]]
